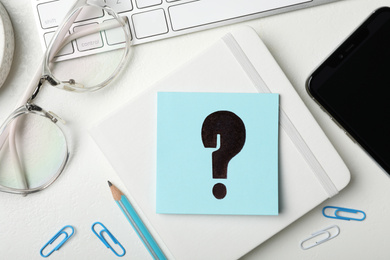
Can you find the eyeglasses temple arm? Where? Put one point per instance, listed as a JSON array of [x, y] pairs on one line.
[[59, 35]]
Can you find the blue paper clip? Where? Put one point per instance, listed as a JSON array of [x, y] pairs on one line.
[[100, 236], [67, 236], [339, 210]]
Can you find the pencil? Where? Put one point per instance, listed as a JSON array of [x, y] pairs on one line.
[[137, 223]]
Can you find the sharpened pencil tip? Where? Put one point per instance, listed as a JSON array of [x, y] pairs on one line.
[[109, 183]]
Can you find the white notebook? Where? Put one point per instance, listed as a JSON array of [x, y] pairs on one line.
[[310, 169]]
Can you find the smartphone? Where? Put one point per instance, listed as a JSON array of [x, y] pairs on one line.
[[353, 86]]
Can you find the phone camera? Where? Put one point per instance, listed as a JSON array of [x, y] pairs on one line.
[[341, 56]]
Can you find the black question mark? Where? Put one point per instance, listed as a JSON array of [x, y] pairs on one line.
[[232, 136]]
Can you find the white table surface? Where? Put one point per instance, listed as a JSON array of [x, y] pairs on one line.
[[298, 40]]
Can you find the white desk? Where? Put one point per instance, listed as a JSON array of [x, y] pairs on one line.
[[299, 41]]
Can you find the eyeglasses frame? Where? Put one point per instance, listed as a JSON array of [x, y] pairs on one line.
[[59, 40]]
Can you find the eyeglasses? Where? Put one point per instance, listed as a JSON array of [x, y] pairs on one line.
[[33, 147]]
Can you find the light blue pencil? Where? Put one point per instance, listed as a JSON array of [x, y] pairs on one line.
[[137, 223]]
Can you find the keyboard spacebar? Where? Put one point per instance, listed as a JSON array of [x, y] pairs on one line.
[[202, 12]]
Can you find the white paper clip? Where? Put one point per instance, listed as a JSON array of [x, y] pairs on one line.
[[324, 235]]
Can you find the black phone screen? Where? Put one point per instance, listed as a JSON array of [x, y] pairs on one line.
[[353, 85]]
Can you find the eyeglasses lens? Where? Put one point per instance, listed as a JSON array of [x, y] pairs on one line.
[[41, 149]]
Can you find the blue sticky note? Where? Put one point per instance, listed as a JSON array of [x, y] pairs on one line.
[[217, 153]]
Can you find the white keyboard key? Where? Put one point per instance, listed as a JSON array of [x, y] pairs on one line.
[[89, 13], [88, 42], [115, 36], [68, 49], [150, 23], [147, 3], [198, 13], [52, 13], [120, 6]]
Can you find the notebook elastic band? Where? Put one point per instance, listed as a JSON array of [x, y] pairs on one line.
[[284, 120]]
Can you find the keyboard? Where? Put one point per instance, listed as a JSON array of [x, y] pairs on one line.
[[151, 20]]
